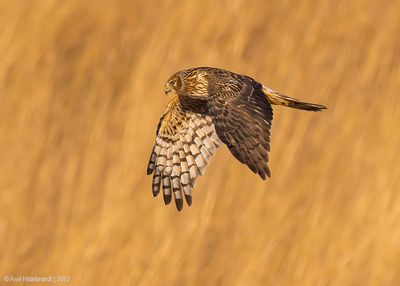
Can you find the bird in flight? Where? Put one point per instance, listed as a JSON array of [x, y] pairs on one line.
[[210, 106]]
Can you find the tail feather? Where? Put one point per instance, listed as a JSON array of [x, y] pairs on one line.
[[280, 99]]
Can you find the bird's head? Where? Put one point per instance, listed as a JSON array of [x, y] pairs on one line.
[[191, 83], [173, 84]]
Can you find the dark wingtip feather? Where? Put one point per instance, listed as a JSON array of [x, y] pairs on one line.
[[262, 175], [188, 200], [167, 199], [179, 204], [156, 192], [268, 172], [264, 172]]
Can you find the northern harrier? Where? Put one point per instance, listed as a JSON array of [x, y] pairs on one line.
[[210, 106]]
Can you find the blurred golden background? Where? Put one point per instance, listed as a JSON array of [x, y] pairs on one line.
[[81, 92]]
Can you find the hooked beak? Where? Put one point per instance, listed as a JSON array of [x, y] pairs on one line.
[[168, 89]]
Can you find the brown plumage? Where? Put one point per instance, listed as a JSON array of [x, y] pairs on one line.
[[210, 106]]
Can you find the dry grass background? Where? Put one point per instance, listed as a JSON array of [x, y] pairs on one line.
[[81, 92]]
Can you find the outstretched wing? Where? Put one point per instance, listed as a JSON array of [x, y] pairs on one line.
[[184, 145], [242, 116]]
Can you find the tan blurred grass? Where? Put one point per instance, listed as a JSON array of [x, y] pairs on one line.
[[81, 91]]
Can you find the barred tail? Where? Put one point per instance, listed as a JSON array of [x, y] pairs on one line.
[[280, 99]]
